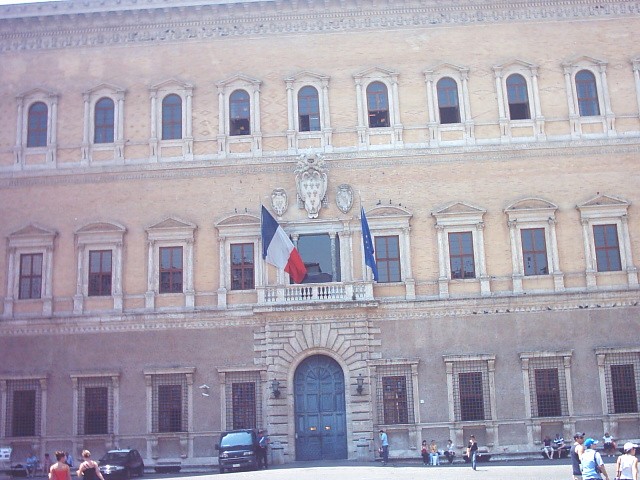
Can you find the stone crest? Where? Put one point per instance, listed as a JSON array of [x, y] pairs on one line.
[[344, 197], [279, 201], [311, 183]]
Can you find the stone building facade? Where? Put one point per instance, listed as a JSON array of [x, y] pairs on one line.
[[493, 146]]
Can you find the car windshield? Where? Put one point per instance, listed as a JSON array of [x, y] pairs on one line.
[[114, 457], [236, 439]]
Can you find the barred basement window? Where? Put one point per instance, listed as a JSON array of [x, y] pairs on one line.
[[169, 403], [471, 396], [546, 377], [395, 395], [547, 388], [95, 405], [622, 377], [243, 400], [24, 399], [468, 380]]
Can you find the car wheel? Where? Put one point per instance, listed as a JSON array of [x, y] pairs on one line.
[[141, 472], [221, 469]]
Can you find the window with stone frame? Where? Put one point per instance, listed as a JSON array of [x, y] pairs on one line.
[[104, 121], [461, 257], [30, 286], [534, 251], [308, 109], [171, 136], [547, 383], [239, 115], [448, 100], [377, 105], [518, 97], [103, 133], [470, 379], [387, 251], [170, 270], [23, 414], [620, 368], [170, 403], [242, 266], [96, 403], [37, 120], [100, 273], [587, 94], [172, 117], [395, 393], [36, 135], [243, 399], [605, 239]]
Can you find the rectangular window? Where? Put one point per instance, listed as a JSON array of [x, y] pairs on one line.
[[534, 251], [394, 396], [169, 408], [321, 256], [242, 266], [30, 276], [461, 255], [548, 392], [99, 273], [471, 396], [23, 420], [387, 250], [96, 410], [171, 270], [607, 249], [623, 386], [243, 397]]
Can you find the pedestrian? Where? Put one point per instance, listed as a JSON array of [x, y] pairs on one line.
[[627, 464], [69, 460], [88, 469], [450, 452], [577, 449], [263, 444], [424, 451], [60, 470], [384, 445], [592, 465], [548, 449], [46, 464], [472, 451]]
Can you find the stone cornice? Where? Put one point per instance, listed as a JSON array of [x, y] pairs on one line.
[[87, 23]]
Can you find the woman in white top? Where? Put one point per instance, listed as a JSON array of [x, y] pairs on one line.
[[627, 466]]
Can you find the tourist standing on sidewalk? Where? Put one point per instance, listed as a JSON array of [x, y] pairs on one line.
[[577, 449], [384, 446], [472, 451], [592, 464], [627, 464]]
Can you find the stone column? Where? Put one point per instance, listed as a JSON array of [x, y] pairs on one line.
[[78, 299], [149, 296], [443, 279]]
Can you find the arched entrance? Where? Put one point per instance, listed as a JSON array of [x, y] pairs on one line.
[[321, 425]]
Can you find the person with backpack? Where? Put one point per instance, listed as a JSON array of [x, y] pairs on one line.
[[591, 462], [263, 443]]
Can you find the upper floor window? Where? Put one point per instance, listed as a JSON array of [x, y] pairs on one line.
[[518, 97], [99, 273], [605, 238], [448, 103], [37, 125], [378, 105], [239, 113], [104, 121], [534, 251], [242, 266], [387, 250], [321, 255], [30, 276], [171, 117], [587, 93], [308, 109], [170, 269], [461, 255]]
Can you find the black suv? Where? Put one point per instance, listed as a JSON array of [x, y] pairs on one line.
[[238, 449], [121, 463]]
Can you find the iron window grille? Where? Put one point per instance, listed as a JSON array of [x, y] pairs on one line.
[[24, 404], [622, 377], [169, 403], [243, 400], [395, 395], [471, 391], [548, 387], [95, 406]]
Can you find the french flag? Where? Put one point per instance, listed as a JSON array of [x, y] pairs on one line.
[[278, 250]]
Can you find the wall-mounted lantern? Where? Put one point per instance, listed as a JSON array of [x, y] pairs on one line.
[[275, 388], [360, 384]]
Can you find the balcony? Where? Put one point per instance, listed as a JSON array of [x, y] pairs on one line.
[[315, 292]]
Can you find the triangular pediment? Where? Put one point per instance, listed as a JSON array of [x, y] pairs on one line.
[[583, 60], [459, 208], [445, 68], [532, 203], [375, 72], [602, 200], [37, 92], [170, 84], [307, 75], [388, 211], [237, 80], [105, 87], [172, 223], [238, 220], [515, 63], [33, 230], [102, 227]]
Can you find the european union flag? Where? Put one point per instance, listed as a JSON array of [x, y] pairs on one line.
[[369, 257]]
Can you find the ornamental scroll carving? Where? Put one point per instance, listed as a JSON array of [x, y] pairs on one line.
[[311, 183]]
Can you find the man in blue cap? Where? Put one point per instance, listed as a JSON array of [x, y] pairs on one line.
[[591, 462]]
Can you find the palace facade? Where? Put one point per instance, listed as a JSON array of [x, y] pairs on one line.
[[493, 145]]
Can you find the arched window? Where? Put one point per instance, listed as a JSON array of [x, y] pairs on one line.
[[240, 115], [448, 105], [378, 105], [518, 97], [37, 125], [587, 94], [308, 109], [172, 117], [104, 121]]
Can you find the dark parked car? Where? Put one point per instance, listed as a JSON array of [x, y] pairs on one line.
[[238, 449], [121, 463]]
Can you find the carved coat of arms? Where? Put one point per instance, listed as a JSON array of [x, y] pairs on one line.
[[311, 183], [344, 197], [279, 201]]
